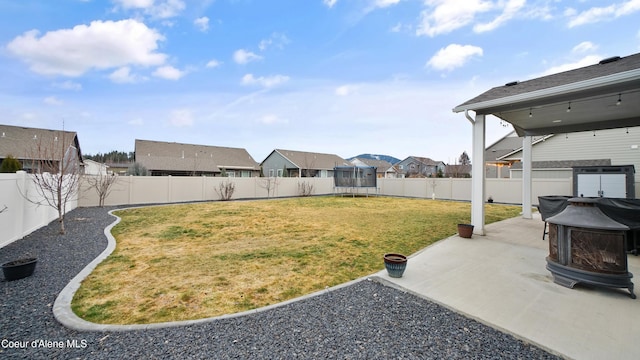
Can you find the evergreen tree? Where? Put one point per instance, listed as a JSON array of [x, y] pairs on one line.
[[10, 165], [464, 159]]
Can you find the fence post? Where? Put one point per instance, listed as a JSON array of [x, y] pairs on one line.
[[21, 179], [204, 187]]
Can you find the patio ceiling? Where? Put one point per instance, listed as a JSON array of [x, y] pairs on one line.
[[601, 96]]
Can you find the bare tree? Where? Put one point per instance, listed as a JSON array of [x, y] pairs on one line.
[[56, 173], [269, 183], [225, 190], [305, 188], [102, 184], [434, 183]]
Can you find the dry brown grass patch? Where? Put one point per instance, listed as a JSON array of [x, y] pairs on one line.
[[193, 261]]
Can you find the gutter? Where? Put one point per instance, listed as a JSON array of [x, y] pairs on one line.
[[603, 81]]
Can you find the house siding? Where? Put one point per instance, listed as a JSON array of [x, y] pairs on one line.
[[413, 166], [274, 162], [544, 174], [614, 144], [300, 163]]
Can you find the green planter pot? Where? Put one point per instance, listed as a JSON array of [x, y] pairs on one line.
[[395, 264], [19, 269]]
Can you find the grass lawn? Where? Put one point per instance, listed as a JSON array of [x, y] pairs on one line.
[[182, 262]]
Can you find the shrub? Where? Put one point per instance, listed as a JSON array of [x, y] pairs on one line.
[[225, 190], [136, 169], [305, 188], [10, 165]]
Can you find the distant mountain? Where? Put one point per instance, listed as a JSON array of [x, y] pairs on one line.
[[387, 158]]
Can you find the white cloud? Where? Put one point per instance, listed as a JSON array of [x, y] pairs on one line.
[[52, 100], [101, 45], [135, 4], [585, 46], [510, 10], [275, 40], [345, 90], [453, 56], [161, 9], [181, 118], [384, 3], [213, 63], [242, 56], [267, 82], [124, 76], [597, 14], [330, 3], [168, 72], [68, 85], [444, 16], [585, 61], [202, 23], [400, 27], [167, 9]]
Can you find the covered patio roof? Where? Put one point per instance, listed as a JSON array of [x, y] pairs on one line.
[[600, 96]]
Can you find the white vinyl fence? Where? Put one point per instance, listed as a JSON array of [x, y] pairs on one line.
[[129, 190], [23, 217]]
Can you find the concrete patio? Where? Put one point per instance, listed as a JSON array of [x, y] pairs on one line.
[[500, 279]]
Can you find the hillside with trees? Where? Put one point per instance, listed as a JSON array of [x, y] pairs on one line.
[[112, 157]]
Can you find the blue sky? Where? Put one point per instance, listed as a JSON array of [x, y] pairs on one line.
[[333, 76]]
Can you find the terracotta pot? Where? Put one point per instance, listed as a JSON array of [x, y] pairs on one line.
[[395, 264], [18, 269], [465, 230]]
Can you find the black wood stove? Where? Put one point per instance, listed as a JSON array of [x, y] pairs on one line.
[[587, 246]]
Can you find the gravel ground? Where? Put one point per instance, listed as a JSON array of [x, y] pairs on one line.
[[365, 320]]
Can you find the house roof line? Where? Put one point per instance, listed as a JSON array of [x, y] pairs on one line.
[[502, 138], [543, 138], [235, 167], [575, 87], [284, 156]]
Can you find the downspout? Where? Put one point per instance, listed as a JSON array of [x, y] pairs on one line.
[[466, 114]]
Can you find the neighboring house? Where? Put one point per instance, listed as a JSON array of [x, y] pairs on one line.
[[28, 145], [170, 158], [300, 164], [94, 168], [556, 155], [118, 168], [495, 164], [415, 166], [383, 168]]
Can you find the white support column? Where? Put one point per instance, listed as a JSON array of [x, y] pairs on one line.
[[526, 177], [478, 176]]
